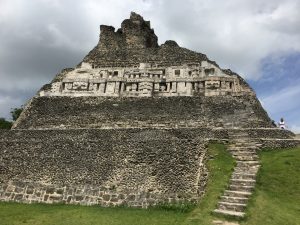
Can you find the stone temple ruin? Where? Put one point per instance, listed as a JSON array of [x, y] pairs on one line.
[[130, 125], [129, 63]]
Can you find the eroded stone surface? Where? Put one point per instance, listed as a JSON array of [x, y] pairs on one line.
[[129, 125], [129, 62], [165, 112], [133, 167]]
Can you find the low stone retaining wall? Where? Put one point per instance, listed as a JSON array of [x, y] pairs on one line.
[[280, 143], [30, 192]]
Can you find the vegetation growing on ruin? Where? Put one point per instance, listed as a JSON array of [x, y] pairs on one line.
[[276, 199]]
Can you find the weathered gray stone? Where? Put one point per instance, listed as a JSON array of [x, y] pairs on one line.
[[130, 125]]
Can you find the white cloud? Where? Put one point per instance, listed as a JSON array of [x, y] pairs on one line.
[[7, 103], [39, 37], [285, 100], [237, 34], [295, 129]]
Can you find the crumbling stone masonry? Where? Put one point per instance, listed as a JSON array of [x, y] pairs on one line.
[[129, 125]]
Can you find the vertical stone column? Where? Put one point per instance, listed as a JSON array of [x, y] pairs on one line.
[[117, 87], [156, 86], [102, 87], [174, 87], [168, 86], [189, 88], [181, 89]]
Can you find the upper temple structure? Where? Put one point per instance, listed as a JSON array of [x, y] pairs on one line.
[[130, 125], [130, 63]]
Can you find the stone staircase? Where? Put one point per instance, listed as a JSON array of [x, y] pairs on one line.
[[242, 181]]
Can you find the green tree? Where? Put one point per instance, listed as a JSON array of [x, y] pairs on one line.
[[4, 124], [16, 112]]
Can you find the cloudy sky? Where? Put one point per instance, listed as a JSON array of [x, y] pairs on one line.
[[259, 39]]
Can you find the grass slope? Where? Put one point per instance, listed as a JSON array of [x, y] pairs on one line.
[[220, 169], [276, 200]]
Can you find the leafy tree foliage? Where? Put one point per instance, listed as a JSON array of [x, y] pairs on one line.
[[4, 124], [16, 112]]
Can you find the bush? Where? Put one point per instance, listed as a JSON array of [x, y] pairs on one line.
[[4, 124]]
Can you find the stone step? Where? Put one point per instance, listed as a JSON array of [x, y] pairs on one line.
[[243, 146], [239, 137], [245, 176], [249, 182], [242, 181], [247, 163], [239, 194], [242, 188], [246, 170], [241, 200], [243, 142], [230, 213], [243, 152], [235, 148], [238, 207], [245, 167], [245, 157]]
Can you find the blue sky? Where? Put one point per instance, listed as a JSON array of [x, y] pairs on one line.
[[279, 87], [257, 39]]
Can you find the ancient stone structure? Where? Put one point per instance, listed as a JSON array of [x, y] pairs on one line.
[[130, 63], [129, 125]]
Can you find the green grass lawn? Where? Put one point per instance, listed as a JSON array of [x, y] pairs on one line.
[[276, 199], [277, 196]]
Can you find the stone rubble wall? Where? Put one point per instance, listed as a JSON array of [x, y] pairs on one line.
[[116, 113], [273, 143], [135, 167]]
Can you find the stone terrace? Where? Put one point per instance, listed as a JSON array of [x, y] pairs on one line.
[[172, 112]]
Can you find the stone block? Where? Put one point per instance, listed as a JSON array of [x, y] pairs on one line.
[[18, 197], [50, 190], [106, 197]]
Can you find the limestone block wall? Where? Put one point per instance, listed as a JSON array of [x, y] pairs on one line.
[[173, 112], [135, 167], [273, 143]]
